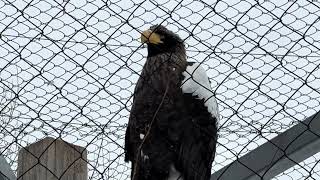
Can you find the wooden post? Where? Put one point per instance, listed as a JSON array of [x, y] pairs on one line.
[[52, 159]]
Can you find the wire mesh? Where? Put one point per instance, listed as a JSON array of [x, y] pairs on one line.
[[68, 69]]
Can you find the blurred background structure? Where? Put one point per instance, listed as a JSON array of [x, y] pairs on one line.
[[68, 69]]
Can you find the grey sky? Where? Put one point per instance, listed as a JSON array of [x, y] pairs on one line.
[[259, 65]]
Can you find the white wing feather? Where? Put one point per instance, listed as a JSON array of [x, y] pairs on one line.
[[197, 83]]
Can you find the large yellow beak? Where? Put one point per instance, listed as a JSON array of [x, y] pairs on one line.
[[150, 37]]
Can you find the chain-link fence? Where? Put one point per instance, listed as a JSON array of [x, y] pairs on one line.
[[68, 69]]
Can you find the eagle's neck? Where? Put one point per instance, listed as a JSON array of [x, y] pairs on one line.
[[175, 55], [153, 50], [177, 49], [164, 59]]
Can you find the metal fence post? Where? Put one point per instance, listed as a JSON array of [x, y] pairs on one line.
[[277, 155], [6, 172]]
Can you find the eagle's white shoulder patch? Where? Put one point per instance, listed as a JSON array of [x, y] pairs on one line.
[[197, 83]]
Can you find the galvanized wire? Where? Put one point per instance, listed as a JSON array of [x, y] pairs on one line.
[[68, 70]]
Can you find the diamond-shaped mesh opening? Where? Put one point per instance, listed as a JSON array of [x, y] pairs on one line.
[[68, 70]]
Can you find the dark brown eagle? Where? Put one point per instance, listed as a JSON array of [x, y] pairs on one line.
[[172, 129]]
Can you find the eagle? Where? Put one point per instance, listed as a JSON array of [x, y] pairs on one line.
[[172, 128]]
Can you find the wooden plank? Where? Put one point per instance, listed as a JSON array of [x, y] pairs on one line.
[[52, 159]]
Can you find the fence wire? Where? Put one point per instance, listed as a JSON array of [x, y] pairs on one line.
[[68, 69]]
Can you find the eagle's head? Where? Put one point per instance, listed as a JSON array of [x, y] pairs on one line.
[[161, 40]]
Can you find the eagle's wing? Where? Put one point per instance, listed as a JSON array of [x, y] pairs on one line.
[[196, 82], [198, 147], [158, 86], [133, 137]]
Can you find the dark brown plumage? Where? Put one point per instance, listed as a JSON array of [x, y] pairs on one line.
[[170, 134]]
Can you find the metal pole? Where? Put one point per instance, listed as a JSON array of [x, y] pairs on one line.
[[277, 155]]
